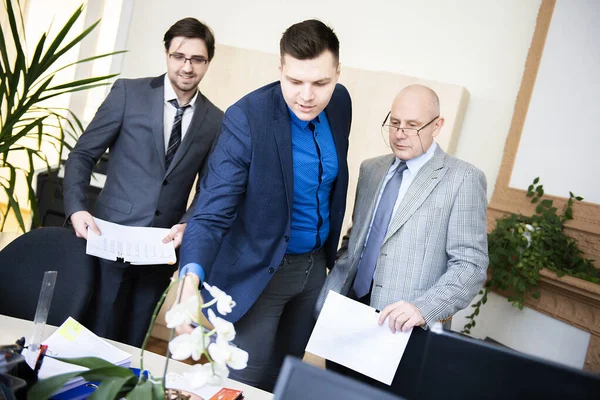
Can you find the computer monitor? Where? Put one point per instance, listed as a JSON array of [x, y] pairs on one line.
[[300, 381], [447, 365]]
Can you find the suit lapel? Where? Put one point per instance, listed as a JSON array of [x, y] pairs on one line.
[[341, 146], [282, 133], [426, 180], [194, 129], [157, 115]]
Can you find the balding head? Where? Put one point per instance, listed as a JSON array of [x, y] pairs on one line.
[[423, 96], [416, 111]]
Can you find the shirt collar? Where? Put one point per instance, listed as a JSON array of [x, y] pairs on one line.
[[415, 164], [300, 123], [170, 93]]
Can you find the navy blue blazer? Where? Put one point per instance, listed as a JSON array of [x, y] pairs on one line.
[[240, 230]]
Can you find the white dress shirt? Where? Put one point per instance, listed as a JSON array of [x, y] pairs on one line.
[[170, 111]]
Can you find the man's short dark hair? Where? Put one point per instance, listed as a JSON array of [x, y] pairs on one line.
[[308, 39], [191, 28]]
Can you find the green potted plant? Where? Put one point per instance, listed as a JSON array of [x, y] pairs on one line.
[[520, 246], [28, 125]]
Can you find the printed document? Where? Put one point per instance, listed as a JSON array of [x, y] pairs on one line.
[[74, 340], [133, 244], [347, 333]]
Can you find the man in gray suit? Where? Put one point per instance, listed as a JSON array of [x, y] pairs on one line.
[[160, 132], [418, 246]]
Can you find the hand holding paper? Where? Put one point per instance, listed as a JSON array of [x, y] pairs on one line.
[[401, 316], [134, 244], [175, 235], [82, 221]]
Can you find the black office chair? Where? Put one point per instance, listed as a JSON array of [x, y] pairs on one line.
[[298, 381], [22, 266]]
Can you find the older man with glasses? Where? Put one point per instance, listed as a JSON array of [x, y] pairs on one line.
[[160, 132], [418, 246]]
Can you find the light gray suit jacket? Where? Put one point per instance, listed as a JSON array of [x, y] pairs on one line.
[[139, 190], [434, 254]]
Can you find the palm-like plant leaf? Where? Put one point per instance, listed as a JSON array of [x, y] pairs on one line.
[[28, 126]]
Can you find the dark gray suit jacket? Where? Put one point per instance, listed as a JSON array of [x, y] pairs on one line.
[[139, 191]]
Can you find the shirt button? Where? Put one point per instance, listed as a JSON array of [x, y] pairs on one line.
[[271, 270], [286, 238], [157, 213]]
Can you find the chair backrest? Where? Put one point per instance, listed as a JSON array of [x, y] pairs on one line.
[[298, 381], [22, 266]]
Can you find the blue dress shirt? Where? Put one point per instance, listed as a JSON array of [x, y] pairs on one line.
[[315, 169]]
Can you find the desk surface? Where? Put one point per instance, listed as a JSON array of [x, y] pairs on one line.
[[13, 328]]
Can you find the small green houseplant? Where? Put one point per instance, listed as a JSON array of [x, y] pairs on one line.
[[520, 246]]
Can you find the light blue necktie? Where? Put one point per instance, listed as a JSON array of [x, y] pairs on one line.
[[383, 215]]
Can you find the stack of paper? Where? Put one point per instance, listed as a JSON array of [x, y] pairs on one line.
[[73, 340], [133, 244]]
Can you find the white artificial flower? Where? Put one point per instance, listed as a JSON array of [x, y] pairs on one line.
[[224, 353], [220, 373], [529, 227], [183, 313], [202, 374], [224, 302], [189, 345], [527, 235], [225, 329]]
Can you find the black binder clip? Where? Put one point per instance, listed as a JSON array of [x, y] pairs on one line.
[[121, 259]]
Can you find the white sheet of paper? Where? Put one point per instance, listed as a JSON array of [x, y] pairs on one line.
[[74, 340], [347, 333], [135, 244]]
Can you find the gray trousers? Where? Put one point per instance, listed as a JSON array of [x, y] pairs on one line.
[[281, 320]]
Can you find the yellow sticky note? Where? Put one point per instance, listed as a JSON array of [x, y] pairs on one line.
[[70, 329]]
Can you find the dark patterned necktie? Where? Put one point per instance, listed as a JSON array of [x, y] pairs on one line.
[[312, 127], [383, 215], [175, 138]]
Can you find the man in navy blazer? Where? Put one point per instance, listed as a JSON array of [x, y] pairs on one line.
[[270, 210]]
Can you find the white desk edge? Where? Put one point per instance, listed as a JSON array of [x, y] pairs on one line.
[[12, 329]]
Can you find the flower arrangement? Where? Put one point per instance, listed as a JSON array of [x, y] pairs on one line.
[[220, 353], [119, 382], [520, 246]]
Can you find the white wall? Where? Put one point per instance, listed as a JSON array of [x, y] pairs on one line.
[[528, 331], [559, 142], [560, 138], [481, 45]]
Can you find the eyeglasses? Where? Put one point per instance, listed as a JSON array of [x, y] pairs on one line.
[[194, 60], [394, 128]]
